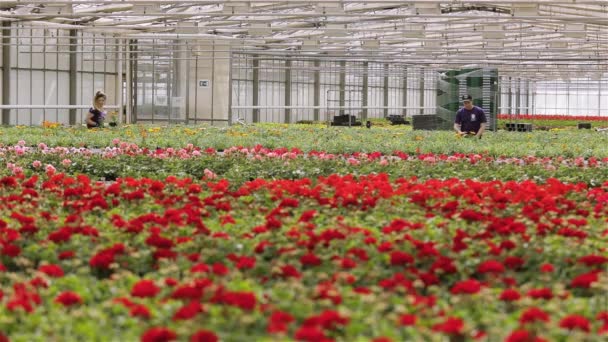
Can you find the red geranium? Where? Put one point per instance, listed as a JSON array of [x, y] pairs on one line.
[[470, 286], [532, 315], [158, 334], [188, 311], [575, 322], [68, 298], [204, 336], [54, 271], [523, 336], [547, 268], [542, 293], [585, 280], [510, 295], [310, 260], [401, 258], [490, 266], [407, 320], [144, 288], [279, 321], [451, 326]]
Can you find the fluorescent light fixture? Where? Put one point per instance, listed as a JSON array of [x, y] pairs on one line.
[[524, 9], [427, 8], [558, 45], [370, 44], [493, 32], [260, 29], [336, 30]]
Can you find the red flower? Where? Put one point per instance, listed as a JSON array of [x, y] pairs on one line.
[[219, 269], [54, 271], [279, 321], [139, 310], [547, 268], [102, 260], [348, 263], [401, 258], [289, 271], [510, 295], [522, 336], [532, 315], [171, 282], [407, 320], [327, 319], [573, 322], [204, 336], [144, 288], [490, 266], [199, 268], [2, 268], [11, 250], [188, 311], [68, 298], [451, 326], [66, 255], [310, 334], [243, 300], [158, 334], [593, 260], [310, 260], [245, 262], [382, 339], [470, 286], [542, 293], [585, 280], [514, 262]]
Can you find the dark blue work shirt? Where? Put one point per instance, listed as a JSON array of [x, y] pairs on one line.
[[470, 120]]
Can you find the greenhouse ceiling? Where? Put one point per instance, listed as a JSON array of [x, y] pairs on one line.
[[557, 38]]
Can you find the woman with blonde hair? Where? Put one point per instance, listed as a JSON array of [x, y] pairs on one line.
[[97, 113]]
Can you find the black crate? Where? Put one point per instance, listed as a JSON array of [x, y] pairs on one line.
[[519, 127], [397, 120], [584, 125], [345, 120]]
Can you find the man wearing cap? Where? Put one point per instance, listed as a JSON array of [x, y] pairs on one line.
[[469, 118]]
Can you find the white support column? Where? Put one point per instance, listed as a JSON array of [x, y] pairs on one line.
[[119, 84], [128, 96]]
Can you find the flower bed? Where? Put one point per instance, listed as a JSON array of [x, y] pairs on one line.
[[341, 258], [240, 164], [567, 144]]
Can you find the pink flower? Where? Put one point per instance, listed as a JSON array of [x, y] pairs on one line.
[[196, 153], [17, 170], [115, 141], [42, 146], [50, 169], [353, 161], [384, 162], [209, 174], [36, 164], [66, 162], [21, 143]]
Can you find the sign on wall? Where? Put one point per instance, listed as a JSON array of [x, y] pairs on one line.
[[204, 83]]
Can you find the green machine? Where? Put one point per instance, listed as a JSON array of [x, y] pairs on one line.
[[481, 84]]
